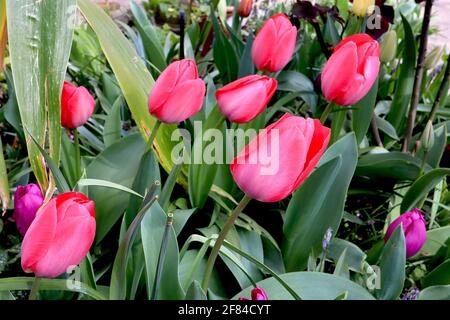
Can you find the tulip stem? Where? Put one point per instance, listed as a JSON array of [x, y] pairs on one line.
[[326, 112], [442, 92], [221, 238], [76, 141], [34, 288], [153, 135]]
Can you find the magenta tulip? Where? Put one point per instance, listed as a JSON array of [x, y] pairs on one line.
[[77, 105], [280, 158], [351, 70], [274, 44], [178, 93], [257, 294], [414, 228], [27, 200], [244, 99], [60, 235]]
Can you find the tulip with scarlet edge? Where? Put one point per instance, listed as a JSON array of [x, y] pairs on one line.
[[77, 105], [27, 200], [274, 44], [300, 144], [257, 294], [60, 235], [244, 99], [414, 228], [245, 8]]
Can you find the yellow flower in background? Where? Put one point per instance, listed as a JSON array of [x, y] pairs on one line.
[[361, 7]]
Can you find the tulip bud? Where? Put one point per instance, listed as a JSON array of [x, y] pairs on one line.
[[351, 70], [77, 105], [178, 93], [280, 158], [414, 228], [363, 7], [274, 44], [245, 8], [244, 99], [60, 235], [427, 139], [27, 200], [433, 58], [388, 46], [257, 294]]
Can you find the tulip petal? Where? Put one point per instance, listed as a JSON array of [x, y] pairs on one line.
[[78, 108], [284, 49], [262, 45], [39, 236]]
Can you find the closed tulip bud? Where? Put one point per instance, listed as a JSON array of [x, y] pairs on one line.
[[60, 235], [274, 44], [280, 158], [178, 93], [244, 99], [388, 46], [257, 294], [351, 70], [27, 200], [363, 7], [245, 8], [413, 225], [433, 58], [427, 139], [77, 105]]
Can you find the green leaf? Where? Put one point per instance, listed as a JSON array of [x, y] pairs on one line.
[[435, 293], [439, 276], [246, 66], [434, 155], [107, 184], [195, 292], [293, 81], [133, 77], [152, 229], [436, 238], [113, 126], [420, 188], [310, 286], [115, 165], [355, 257], [40, 36], [363, 112], [402, 96], [318, 204], [386, 127], [4, 184], [392, 265]]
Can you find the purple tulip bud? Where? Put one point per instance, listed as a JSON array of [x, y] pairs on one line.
[[257, 294], [414, 228], [27, 200]]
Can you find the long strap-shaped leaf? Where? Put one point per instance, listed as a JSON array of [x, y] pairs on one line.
[[133, 77], [40, 37]]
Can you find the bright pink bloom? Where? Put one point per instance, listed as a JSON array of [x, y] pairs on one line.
[[274, 44], [351, 70], [280, 158], [178, 93], [60, 235], [414, 228], [27, 200], [77, 105], [244, 99], [257, 294]]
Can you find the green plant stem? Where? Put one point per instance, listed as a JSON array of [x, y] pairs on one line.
[[162, 256], [76, 140], [326, 112], [336, 124], [153, 135], [219, 122], [35, 288], [222, 235], [442, 92]]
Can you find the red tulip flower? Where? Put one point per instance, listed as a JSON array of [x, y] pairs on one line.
[[257, 294], [414, 228], [60, 235], [178, 93], [280, 158], [274, 44], [244, 99], [351, 70], [245, 8], [77, 105]]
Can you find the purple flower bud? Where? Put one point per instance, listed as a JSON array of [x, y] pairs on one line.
[[27, 201], [411, 294], [257, 294], [414, 228]]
